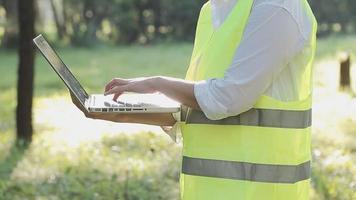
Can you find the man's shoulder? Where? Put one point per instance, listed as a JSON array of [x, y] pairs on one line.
[[293, 8]]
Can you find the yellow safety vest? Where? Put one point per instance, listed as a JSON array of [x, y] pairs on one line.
[[263, 153]]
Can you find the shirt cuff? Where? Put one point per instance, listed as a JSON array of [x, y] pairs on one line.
[[200, 93], [203, 97]]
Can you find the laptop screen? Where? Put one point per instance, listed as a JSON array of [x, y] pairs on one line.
[[61, 69]]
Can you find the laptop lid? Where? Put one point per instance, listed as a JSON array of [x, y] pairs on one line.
[[60, 68]]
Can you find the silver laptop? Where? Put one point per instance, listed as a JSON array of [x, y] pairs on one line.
[[127, 103]]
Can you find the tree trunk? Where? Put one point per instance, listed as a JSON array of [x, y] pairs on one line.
[[26, 12], [10, 37], [345, 63], [61, 29]]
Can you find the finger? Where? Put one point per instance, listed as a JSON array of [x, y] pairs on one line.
[[110, 85], [116, 96], [116, 82], [114, 90], [117, 91], [125, 88]]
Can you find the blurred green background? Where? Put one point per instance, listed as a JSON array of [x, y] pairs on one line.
[[71, 157]]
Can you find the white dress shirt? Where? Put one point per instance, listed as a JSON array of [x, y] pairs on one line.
[[265, 62]]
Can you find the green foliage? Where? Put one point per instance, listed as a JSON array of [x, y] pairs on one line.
[[335, 180], [334, 15], [182, 17], [146, 21], [129, 21], [88, 22]]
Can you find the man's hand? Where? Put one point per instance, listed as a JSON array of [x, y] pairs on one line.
[[118, 86], [177, 89], [159, 119], [103, 116]]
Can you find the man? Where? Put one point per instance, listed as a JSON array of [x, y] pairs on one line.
[[248, 88]]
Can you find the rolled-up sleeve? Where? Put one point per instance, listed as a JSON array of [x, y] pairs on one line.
[[271, 39]]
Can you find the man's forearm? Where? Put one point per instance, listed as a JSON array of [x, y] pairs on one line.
[[177, 89], [180, 90]]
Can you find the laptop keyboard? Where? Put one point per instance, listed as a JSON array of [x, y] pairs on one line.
[[123, 104], [120, 106]]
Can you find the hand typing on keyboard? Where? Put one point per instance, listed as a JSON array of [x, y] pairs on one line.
[[123, 104]]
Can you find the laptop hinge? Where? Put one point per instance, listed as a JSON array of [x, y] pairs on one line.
[[87, 102]]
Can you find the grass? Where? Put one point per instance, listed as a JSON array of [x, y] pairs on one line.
[[95, 67], [76, 158], [101, 160], [334, 123]]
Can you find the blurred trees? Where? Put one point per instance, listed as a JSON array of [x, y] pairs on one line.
[[144, 21], [85, 22], [58, 15], [11, 31], [126, 21], [335, 15]]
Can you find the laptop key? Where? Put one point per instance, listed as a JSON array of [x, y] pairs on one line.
[[120, 102]]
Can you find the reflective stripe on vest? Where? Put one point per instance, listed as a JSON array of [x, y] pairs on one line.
[[258, 117], [246, 171]]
